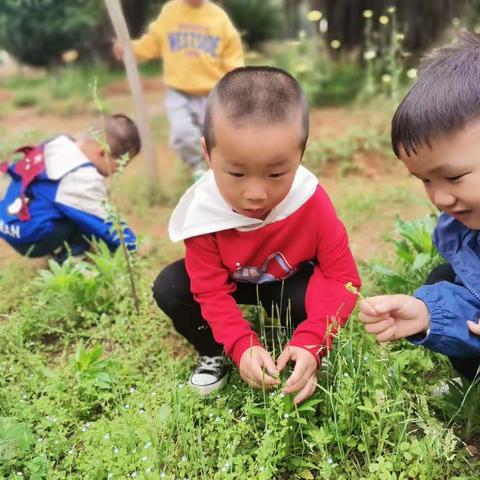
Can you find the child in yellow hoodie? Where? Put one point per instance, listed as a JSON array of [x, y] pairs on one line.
[[199, 45]]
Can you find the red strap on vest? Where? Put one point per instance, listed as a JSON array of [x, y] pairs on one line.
[[28, 168]]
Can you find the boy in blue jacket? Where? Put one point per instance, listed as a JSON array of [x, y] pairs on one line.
[[436, 134], [56, 197]]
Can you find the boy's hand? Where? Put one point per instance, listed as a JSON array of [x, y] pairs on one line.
[[391, 317], [257, 368], [474, 327], [304, 377], [118, 50]]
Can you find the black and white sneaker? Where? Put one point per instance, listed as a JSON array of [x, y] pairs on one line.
[[211, 374]]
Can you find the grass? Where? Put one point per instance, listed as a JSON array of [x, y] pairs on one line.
[[89, 389]]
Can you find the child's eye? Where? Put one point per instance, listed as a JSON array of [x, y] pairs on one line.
[[236, 174], [457, 177], [276, 175], [425, 180]]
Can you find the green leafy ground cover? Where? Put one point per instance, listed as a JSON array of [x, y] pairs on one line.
[[89, 389]]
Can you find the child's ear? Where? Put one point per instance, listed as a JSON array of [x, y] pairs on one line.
[[206, 155]]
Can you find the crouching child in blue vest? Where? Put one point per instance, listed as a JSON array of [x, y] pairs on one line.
[[55, 200]]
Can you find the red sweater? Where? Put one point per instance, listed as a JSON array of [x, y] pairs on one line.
[[312, 233]]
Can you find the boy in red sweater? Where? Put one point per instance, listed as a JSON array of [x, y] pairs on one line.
[[257, 228]]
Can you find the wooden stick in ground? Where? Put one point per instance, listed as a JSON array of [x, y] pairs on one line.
[[121, 30]]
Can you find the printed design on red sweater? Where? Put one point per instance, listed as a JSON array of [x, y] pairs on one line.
[[274, 268]]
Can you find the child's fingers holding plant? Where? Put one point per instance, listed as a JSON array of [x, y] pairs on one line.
[[257, 368], [474, 327], [305, 369], [397, 316]]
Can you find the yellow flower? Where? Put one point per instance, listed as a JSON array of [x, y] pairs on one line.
[[367, 14], [69, 56], [314, 15], [384, 20], [386, 78], [369, 54], [412, 73], [335, 44]]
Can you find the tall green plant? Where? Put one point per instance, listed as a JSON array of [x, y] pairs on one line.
[[257, 20]]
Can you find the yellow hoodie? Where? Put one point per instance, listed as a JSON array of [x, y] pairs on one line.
[[198, 45]]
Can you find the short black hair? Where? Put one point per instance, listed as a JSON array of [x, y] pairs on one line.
[[444, 98], [261, 93], [122, 135]]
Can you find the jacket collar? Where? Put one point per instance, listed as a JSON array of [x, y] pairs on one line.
[[461, 247]]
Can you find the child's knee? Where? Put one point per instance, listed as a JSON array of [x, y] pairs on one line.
[[171, 286]]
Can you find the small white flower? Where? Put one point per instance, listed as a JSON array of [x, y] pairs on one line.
[[110, 475], [132, 390], [163, 475], [386, 78], [184, 458], [330, 461], [70, 452], [262, 469], [153, 394], [134, 450], [20, 474], [106, 436], [148, 445], [230, 411], [210, 415], [217, 419], [282, 395], [412, 73], [242, 419], [134, 474], [116, 450], [141, 411], [40, 440], [345, 375], [369, 54], [127, 406], [286, 415], [145, 458], [181, 385], [84, 429], [148, 470]]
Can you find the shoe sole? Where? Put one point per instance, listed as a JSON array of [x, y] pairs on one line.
[[205, 390]]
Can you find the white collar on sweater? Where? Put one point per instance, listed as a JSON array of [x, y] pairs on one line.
[[202, 209], [61, 156]]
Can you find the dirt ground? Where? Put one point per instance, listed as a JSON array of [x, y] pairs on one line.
[[367, 200]]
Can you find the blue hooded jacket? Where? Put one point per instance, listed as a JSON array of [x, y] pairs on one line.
[[452, 304], [67, 187]]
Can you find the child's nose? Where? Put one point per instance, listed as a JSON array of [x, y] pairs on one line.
[[255, 193], [442, 198]]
